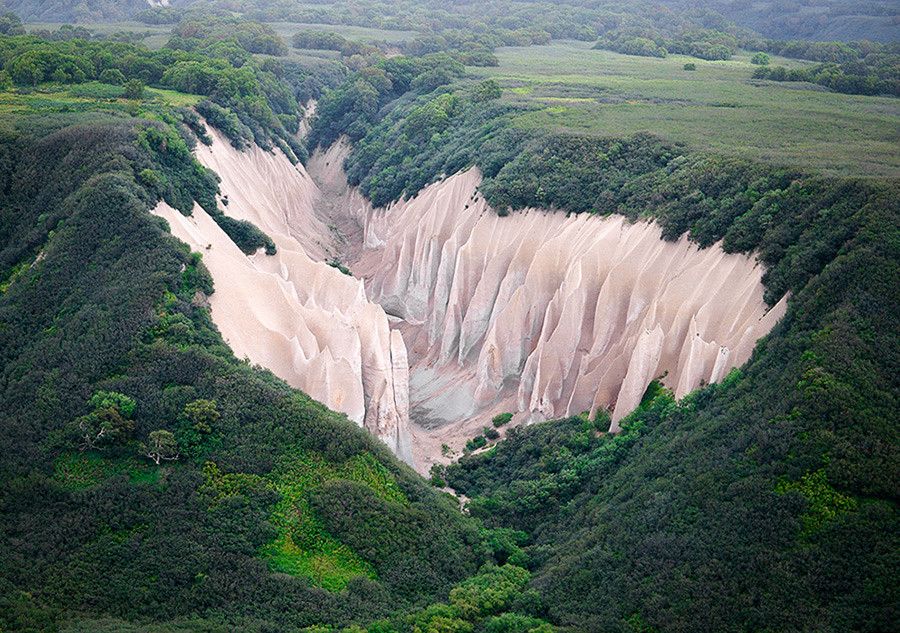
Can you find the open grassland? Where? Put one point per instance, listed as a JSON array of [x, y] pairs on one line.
[[717, 107], [50, 103], [54, 97], [361, 33], [155, 35]]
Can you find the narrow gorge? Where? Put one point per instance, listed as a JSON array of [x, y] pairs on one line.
[[454, 313]]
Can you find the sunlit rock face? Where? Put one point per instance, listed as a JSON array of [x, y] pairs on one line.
[[543, 313]]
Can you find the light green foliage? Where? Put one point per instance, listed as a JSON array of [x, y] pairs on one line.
[[302, 546], [654, 390], [479, 441], [760, 59], [438, 472], [490, 592], [823, 502], [485, 602], [218, 486], [431, 118], [109, 424], [112, 400], [487, 90], [14, 273], [202, 415], [636, 624], [161, 446], [516, 623], [501, 418]]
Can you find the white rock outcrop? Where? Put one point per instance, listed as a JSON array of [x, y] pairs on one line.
[[464, 314], [292, 313], [541, 313]]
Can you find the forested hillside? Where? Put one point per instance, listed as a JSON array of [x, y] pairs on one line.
[[147, 475], [150, 481], [735, 508]]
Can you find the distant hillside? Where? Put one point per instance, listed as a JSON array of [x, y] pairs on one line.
[[75, 10], [812, 19], [842, 20]]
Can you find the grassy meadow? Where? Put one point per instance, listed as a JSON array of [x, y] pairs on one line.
[[360, 33], [717, 107], [45, 105], [155, 35]]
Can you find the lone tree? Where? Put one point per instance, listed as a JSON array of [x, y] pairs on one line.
[[134, 89], [202, 415], [760, 59], [161, 446], [109, 423]]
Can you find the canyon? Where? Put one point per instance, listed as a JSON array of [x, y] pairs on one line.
[[454, 313]]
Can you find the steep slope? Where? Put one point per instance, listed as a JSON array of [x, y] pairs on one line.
[[767, 502], [256, 525], [541, 313], [291, 312]]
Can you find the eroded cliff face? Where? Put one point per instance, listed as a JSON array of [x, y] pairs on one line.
[[292, 313], [538, 313], [541, 313]]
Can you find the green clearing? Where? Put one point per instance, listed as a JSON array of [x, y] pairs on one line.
[[717, 108], [53, 98], [303, 547], [365, 34]]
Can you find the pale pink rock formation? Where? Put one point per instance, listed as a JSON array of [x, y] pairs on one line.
[[541, 313], [292, 313]]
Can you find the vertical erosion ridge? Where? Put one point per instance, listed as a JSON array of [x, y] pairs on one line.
[[292, 313], [539, 313]]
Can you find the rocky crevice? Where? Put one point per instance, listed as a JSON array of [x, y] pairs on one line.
[[291, 312]]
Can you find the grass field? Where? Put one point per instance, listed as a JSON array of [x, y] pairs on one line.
[[156, 35], [361, 33], [55, 105], [718, 107]]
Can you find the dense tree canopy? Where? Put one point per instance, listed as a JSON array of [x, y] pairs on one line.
[[150, 481]]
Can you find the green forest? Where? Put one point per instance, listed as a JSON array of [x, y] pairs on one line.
[[150, 481]]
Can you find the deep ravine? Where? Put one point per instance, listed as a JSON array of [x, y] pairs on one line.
[[457, 314]]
